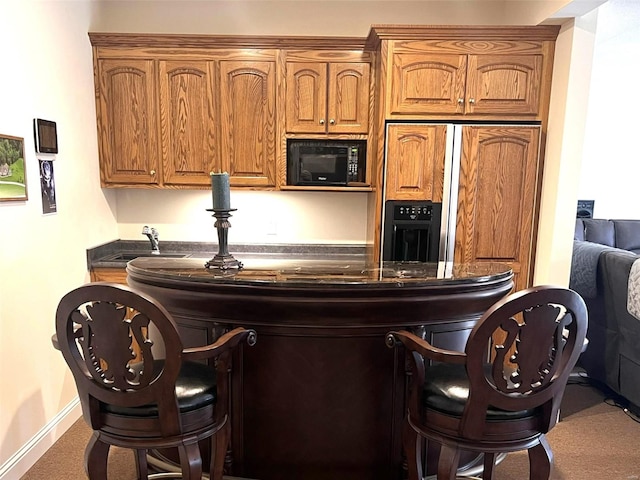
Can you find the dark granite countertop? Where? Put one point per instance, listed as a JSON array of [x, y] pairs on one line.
[[313, 272], [117, 253]]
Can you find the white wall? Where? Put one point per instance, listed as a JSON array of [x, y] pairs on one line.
[[47, 73], [611, 163], [565, 138]]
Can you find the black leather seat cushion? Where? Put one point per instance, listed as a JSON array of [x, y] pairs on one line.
[[195, 388], [446, 390]]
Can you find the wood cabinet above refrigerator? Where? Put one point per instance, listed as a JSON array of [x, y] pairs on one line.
[[465, 72]]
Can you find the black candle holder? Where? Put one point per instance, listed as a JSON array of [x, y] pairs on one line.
[[223, 259]]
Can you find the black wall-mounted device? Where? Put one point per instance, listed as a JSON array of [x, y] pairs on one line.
[[45, 136]]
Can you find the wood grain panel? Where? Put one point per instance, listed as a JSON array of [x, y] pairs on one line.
[[117, 275], [496, 202], [187, 121], [248, 148], [504, 84], [348, 103], [415, 162], [432, 84], [127, 122], [306, 105]]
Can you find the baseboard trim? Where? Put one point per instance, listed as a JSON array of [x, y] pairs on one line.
[[21, 461]]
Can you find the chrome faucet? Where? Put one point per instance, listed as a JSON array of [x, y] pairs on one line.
[[152, 235]]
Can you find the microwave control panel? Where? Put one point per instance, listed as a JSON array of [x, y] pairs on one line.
[[352, 164]]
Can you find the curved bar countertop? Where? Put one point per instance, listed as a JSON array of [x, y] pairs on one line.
[[320, 395]]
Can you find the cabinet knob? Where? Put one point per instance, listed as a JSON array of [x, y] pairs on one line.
[[460, 101], [322, 121], [152, 172], [332, 121], [472, 101]]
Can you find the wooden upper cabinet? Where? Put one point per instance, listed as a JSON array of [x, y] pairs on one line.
[[428, 84], [127, 119], [443, 79], [328, 97], [415, 162], [497, 197], [248, 122], [306, 85], [503, 84], [187, 121]]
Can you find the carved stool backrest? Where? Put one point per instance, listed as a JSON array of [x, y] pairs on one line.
[[123, 349]]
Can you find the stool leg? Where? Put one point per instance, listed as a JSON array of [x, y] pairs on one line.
[[190, 461], [142, 467], [489, 463], [219, 445], [95, 458], [448, 462], [540, 460], [413, 451]]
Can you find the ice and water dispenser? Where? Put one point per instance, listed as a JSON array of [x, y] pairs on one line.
[[411, 231]]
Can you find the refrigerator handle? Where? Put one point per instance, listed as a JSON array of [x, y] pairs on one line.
[[452, 159]]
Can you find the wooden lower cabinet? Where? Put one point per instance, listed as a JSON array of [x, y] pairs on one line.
[[116, 275], [497, 197]]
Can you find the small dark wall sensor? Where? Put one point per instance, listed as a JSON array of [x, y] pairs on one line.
[[45, 136]]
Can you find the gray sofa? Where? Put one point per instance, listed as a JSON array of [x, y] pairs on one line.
[[603, 254]]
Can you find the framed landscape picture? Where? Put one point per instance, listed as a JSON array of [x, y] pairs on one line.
[[13, 174]]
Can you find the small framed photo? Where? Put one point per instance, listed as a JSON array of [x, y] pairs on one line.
[[45, 136], [13, 174], [47, 186]]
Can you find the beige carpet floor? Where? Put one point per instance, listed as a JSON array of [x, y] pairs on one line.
[[595, 440]]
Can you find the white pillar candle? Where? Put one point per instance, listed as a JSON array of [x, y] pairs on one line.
[[220, 190]]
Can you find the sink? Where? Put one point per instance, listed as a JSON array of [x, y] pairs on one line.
[[131, 256]]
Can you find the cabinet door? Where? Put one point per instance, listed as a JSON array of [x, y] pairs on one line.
[[187, 122], [306, 86], [415, 162], [247, 136], [497, 198], [428, 83], [504, 84], [348, 98], [127, 122]]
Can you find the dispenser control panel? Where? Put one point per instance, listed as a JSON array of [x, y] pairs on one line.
[[413, 212]]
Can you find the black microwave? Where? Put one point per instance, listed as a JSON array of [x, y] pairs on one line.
[[326, 162]]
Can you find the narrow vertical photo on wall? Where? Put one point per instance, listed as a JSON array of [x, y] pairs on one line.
[[47, 186]]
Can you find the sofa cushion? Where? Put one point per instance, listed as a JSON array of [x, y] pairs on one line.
[[600, 231], [579, 233], [627, 234]]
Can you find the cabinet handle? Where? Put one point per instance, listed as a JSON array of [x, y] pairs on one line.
[[322, 121], [460, 101], [332, 121], [472, 101], [152, 172]]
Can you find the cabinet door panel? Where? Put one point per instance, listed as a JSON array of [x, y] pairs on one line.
[[306, 97], [507, 84], [497, 195], [428, 84], [415, 162], [348, 98], [248, 122], [127, 122], [187, 121]]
